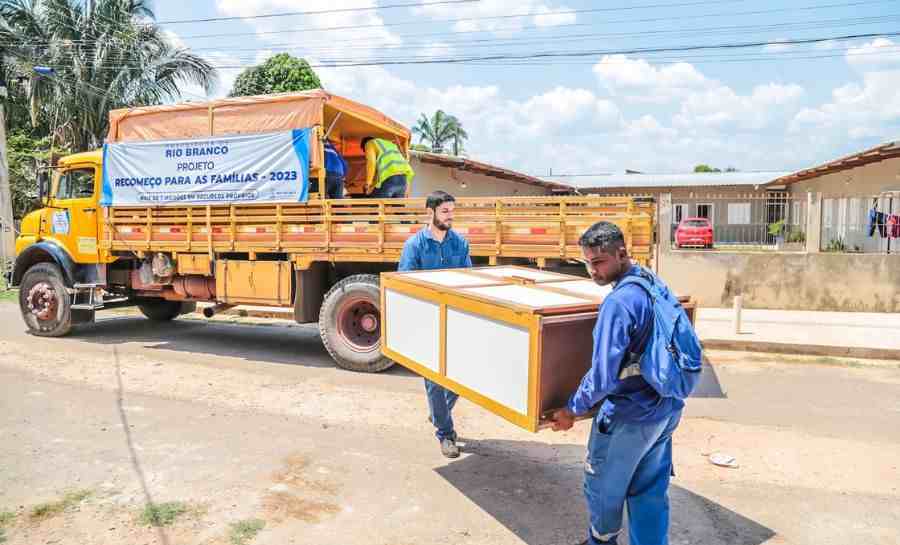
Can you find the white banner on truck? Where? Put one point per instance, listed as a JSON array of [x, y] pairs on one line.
[[248, 169]]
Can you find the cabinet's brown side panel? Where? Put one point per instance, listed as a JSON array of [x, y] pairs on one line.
[[567, 346]]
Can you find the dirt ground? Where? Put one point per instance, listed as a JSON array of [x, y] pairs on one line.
[[239, 422]]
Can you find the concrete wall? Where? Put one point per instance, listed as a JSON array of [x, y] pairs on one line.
[[430, 177], [788, 281], [781, 280]]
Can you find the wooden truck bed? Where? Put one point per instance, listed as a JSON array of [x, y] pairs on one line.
[[367, 230]]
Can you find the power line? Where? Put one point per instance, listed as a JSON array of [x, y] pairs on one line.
[[874, 19], [419, 22], [322, 12], [599, 52], [543, 59], [781, 27], [745, 29]]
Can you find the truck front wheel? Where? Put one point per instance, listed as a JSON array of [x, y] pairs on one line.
[[350, 324], [44, 302], [161, 310]]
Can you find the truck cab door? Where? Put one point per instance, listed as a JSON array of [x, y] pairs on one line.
[[71, 219]]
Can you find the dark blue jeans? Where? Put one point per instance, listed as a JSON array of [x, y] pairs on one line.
[[392, 188], [334, 186], [440, 407], [629, 462]]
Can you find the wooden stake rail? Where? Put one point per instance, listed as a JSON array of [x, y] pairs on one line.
[[344, 230]]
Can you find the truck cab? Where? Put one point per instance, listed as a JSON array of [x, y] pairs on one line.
[[57, 254]]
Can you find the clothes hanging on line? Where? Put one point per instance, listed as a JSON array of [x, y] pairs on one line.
[[877, 222], [893, 226]]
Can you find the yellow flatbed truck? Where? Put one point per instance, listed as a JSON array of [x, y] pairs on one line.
[[322, 257]]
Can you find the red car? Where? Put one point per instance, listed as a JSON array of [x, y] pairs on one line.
[[694, 232]]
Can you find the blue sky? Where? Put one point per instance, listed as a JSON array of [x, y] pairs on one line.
[[774, 107]]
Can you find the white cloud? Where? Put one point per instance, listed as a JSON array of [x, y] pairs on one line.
[[314, 42], [777, 47], [553, 17], [856, 110], [482, 16], [879, 53], [723, 108], [636, 80]]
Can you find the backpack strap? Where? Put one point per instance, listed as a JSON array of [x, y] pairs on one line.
[[631, 365]]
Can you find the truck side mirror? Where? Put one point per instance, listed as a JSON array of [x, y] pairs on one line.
[[44, 186]]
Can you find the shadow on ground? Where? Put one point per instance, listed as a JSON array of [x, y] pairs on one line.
[[534, 490], [709, 385], [299, 345]]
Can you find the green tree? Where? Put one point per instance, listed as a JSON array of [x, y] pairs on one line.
[[26, 154], [280, 74], [705, 168], [106, 57], [439, 130]]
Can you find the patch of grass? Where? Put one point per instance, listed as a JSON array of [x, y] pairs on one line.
[[6, 517], [245, 530], [51, 509], [163, 514], [7, 295]]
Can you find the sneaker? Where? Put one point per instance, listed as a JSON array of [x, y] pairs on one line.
[[449, 448]]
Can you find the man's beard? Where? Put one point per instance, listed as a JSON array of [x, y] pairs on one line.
[[441, 225]]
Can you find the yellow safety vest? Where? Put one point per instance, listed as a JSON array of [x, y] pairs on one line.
[[390, 162]]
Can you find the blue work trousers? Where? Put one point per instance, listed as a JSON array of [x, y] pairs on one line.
[[629, 462], [392, 188], [440, 407]]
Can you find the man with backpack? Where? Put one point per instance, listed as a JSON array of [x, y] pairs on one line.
[[646, 360]]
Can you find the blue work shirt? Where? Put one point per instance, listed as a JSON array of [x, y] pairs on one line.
[[624, 325], [334, 163], [422, 252]]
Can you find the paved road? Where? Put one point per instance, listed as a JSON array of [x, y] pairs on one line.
[[254, 422]]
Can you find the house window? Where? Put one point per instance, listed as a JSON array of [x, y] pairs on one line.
[[705, 210], [678, 213], [739, 213]]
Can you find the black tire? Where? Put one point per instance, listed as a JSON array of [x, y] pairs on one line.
[[345, 324], [160, 310], [45, 304]]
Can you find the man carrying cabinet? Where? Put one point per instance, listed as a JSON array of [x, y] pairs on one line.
[[646, 361], [438, 246]]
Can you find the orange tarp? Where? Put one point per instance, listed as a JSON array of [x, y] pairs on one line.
[[242, 115]]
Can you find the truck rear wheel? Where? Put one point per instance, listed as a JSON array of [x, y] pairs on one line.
[[160, 310], [350, 324], [44, 302]]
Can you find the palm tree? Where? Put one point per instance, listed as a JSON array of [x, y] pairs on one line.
[[439, 130], [106, 56]]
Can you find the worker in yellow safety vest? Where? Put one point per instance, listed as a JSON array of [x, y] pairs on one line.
[[388, 173]]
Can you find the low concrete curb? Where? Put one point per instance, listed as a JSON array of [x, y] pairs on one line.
[[803, 349]]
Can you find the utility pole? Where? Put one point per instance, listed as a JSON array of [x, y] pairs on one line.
[[7, 227]]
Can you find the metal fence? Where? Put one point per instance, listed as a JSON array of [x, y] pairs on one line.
[[762, 220], [861, 224]]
